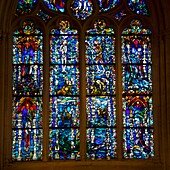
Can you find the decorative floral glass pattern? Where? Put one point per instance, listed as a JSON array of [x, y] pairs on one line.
[[27, 93], [106, 5], [137, 92], [45, 17]]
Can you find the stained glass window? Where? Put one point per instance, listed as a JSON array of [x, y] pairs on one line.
[[137, 92], [27, 93], [101, 117], [64, 93], [79, 90]]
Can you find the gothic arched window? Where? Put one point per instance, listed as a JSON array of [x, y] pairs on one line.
[[82, 80]]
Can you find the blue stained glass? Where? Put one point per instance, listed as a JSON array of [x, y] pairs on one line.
[[136, 49], [106, 5], [55, 5], [45, 17], [27, 112], [64, 49], [82, 8], [26, 144], [100, 49], [64, 144], [25, 6], [101, 143], [100, 79], [64, 112], [101, 111], [138, 143], [27, 80], [137, 111], [137, 79], [64, 80], [138, 6]]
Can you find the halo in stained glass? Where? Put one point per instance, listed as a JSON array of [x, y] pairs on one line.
[[25, 6], [138, 6], [106, 5], [55, 5], [82, 8]]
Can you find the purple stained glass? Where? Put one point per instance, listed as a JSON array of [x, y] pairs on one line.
[[100, 79], [64, 112], [138, 143], [27, 80], [106, 5], [64, 144], [25, 6], [27, 144], [138, 6], [101, 111], [137, 111], [82, 8], [120, 15], [100, 49], [64, 80], [55, 5], [137, 79], [101, 143], [27, 112]]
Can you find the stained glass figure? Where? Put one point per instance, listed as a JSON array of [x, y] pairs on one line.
[[100, 49], [137, 89], [27, 112], [137, 111], [82, 8], [64, 123], [106, 5], [64, 144], [55, 5], [138, 6], [27, 87], [101, 143], [120, 15], [64, 112], [25, 6], [138, 143], [27, 144], [100, 74], [100, 80], [101, 111], [45, 17]]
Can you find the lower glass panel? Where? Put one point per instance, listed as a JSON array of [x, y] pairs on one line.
[[64, 144], [101, 143], [138, 143], [27, 144]]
